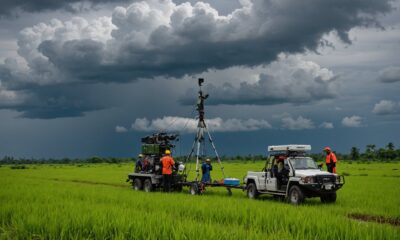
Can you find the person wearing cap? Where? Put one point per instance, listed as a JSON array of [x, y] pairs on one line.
[[280, 170], [138, 165], [167, 163], [330, 160], [206, 168]]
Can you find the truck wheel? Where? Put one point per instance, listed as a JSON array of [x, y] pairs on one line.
[[147, 186], [137, 184], [194, 189], [328, 198], [252, 192], [296, 195]]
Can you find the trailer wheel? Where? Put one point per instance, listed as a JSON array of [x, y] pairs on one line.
[[147, 186], [296, 195], [328, 198], [137, 184], [229, 191], [194, 189], [252, 192]]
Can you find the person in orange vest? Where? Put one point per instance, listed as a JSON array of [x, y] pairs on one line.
[[330, 160], [167, 163]]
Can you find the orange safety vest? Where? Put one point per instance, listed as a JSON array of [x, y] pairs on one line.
[[167, 163], [330, 158]]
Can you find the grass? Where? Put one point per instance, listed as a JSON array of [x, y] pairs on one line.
[[92, 201]]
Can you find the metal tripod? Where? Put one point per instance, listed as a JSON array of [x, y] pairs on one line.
[[199, 141]]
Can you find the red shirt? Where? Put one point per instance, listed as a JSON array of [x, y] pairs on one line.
[[167, 163], [331, 158]]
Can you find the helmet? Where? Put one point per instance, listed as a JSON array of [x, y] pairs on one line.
[[208, 160], [168, 152], [327, 149], [181, 167], [140, 155]]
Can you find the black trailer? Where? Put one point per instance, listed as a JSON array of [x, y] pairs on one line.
[[149, 182]]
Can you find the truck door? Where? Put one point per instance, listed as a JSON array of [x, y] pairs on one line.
[[270, 178], [262, 181]]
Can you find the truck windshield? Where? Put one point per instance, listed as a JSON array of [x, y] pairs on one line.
[[303, 163]]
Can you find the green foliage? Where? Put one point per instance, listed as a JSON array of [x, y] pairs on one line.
[[95, 159], [94, 202], [19, 167], [354, 153]]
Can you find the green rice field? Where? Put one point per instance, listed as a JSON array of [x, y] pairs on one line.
[[93, 201]]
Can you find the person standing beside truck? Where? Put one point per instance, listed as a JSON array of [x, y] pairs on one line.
[[330, 160], [167, 163]]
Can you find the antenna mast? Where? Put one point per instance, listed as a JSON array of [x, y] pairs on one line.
[[199, 143]]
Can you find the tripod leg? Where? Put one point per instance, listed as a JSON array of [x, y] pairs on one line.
[[216, 153], [192, 151], [197, 160], [199, 140]]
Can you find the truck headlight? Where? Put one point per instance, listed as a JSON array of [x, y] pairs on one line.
[[308, 179]]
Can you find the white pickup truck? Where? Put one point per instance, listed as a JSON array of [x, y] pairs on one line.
[[290, 174]]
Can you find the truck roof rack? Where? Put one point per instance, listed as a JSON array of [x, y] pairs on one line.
[[289, 148]]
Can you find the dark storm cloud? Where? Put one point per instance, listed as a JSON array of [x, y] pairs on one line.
[[12, 7], [58, 101], [159, 38], [197, 39]]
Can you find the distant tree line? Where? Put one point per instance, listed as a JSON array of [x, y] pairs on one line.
[[12, 160], [111, 160], [371, 153], [387, 153]]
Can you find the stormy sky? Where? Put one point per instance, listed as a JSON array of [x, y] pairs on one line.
[[84, 78]]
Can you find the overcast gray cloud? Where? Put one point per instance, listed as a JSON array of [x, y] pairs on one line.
[[326, 125], [386, 107], [86, 63], [120, 129], [161, 38], [298, 123], [12, 8], [353, 121], [390, 75]]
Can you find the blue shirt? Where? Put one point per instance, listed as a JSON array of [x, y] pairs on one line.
[[206, 168]]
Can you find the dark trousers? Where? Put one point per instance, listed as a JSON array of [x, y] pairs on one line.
[[331, 167], [167, 179]]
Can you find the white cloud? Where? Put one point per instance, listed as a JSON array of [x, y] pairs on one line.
[[120, 129], [390, 74], [353, 121], [327, 125], [290, 79], [181, 124], [386, 107], [297, 123]]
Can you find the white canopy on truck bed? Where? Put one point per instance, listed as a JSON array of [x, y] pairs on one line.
[[291, 147]]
